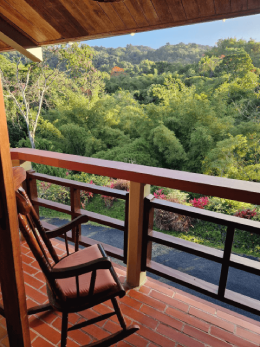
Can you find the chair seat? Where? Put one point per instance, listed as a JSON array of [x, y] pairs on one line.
[[104, 284]]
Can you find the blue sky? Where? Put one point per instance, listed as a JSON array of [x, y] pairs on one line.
[[205, 34]]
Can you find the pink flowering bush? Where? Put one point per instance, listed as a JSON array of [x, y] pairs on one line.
[[200, 202], [85, 197], [248, 214], [116, 184], [158, 194]]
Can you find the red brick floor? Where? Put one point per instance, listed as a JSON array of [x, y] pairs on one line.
[[167, 317]]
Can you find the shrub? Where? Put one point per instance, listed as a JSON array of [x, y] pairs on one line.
[[248, 214], [165, 220], [85, 196], [226, 206], [200, 202], [120, 184]]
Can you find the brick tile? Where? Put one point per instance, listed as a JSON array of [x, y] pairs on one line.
[[147, 300], [195, 303], [40, 276], [96, 332], [139, 317], [35, 265], [29, 269], [40, 342], [89, 314], [35, 294], [137, 340], [248, 335], [178, 336], [48, 316], [231, 338], [79, 336], [26, 259], [131, 302], [32, 281], [102, 309], [3, 332], [185, 317], [127, 320], [212, 319], [144, 290], [170, 301], [71, 343], [155, 337], [5, 342], [162, 317], [160, 288], [206, 338], [239, 321], [111, 327], [45, 330], [122, 344]]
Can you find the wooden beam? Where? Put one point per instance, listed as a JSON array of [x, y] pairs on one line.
[[11, 273], [14, 38]]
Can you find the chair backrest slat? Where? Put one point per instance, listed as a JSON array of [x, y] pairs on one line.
[[34, 232]]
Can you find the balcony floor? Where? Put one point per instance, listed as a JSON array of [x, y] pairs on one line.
[[167, 316]]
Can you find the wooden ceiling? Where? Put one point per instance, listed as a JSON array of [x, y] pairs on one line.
[[34, 23]]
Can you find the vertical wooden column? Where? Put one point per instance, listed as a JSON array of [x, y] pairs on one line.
[[75, 208], [138, 191], [11, 273]]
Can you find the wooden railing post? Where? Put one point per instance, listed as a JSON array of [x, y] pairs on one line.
[[75, 208], [138, 191]]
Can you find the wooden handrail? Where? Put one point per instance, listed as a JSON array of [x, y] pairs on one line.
[[197, 183]]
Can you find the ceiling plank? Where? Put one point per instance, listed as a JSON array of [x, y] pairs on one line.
[[163, 11], [136, 11], [113, 15], [191, 8], [149, 11], [124, 14], [222, 6], [207, 7], [238, 5], [253, 4], [80, 15], [177, 10], [94, 10], [30, 22], [58, 17], [12, 33]]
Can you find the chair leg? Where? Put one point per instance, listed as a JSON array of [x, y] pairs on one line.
[[64, 329], [119, 313]]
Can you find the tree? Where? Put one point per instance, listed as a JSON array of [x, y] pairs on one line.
[[29, 85]]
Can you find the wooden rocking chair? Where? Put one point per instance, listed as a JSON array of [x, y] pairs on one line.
[[76, 282]]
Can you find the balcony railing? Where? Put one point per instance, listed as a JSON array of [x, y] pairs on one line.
[[138, 224], [74, 209]]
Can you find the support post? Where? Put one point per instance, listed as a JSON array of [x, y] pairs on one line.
[[75, 209], [138, 191], [11, 273]]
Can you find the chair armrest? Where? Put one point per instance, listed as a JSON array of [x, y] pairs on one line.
[[72, 271], [67, 227]]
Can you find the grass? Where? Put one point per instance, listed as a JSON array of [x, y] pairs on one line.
[[204, 233]]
